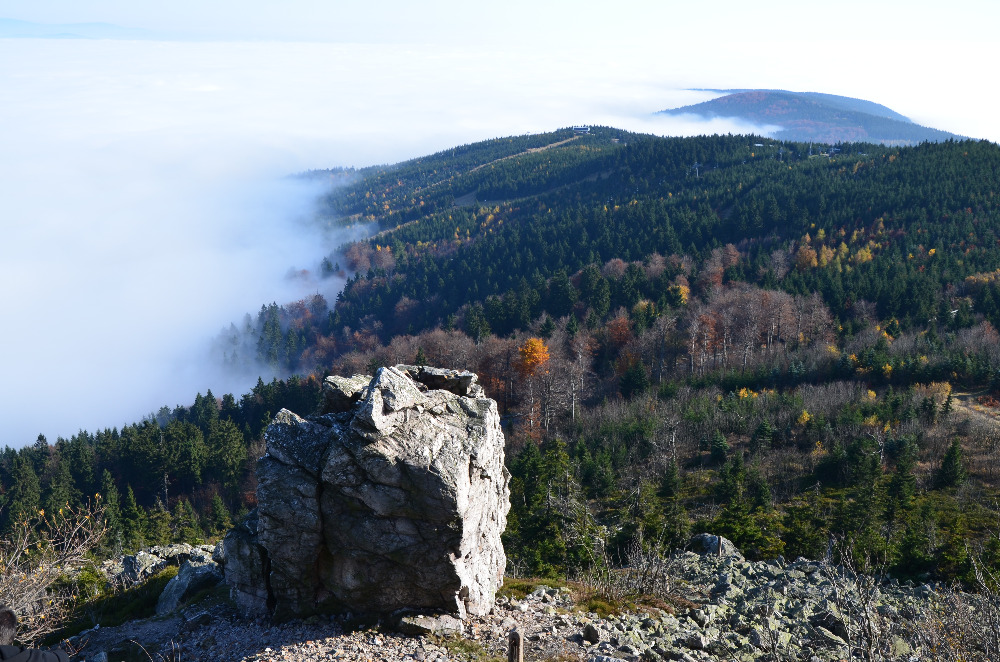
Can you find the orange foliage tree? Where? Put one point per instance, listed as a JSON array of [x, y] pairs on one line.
[[532, 354]]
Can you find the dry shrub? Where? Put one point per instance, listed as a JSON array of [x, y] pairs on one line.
[[35, 555], [828, 399], [965, 627], [646, 579]]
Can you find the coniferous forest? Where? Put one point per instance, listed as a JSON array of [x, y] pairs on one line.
[[787, 344]]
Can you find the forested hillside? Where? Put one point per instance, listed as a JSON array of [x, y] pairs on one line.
[[780, 344]]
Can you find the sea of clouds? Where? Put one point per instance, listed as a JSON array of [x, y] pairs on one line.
[[145, 202]]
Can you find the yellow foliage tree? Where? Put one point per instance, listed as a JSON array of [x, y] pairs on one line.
[[825, 255], [863, 255]]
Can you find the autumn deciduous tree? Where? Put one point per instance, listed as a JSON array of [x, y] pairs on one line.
[[532, 355], [619, 330], [806, 258]]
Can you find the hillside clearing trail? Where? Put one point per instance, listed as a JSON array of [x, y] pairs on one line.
[[530, 150], [967, 402]]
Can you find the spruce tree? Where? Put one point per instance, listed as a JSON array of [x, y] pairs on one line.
[[24, 496], [675, 518], [903, 485], [227, 453], [185, 523], [134, 523], [573, 326], [952, 471], [758, 492], [221, 519], [760, 442], [635, 380], [670, 483], [160, 524], [547, 328], [112, 505], [62, 493], [720, 447], [805, 530]]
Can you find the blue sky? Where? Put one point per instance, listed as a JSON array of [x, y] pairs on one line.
[[140, 187]]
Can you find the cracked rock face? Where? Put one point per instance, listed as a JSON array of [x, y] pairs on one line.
[[394, 497]]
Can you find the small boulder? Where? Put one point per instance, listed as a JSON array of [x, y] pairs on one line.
[[341, 393], [707, 544], [830, 621], [175, 554], [193, 576], [441, 624], [459, 382], [696, 641], [140, 566]]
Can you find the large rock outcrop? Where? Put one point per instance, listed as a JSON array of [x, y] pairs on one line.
[[393, 497]]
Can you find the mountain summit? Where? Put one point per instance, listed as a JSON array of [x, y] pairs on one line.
[[816, 117]]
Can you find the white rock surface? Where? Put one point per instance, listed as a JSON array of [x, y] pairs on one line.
[[394, 497]]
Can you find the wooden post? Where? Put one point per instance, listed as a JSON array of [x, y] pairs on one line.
[[515, 646]]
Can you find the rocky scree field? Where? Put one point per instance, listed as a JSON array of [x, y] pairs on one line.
[[707, 607]]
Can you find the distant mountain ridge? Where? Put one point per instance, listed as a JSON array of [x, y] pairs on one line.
[[817, 117]]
